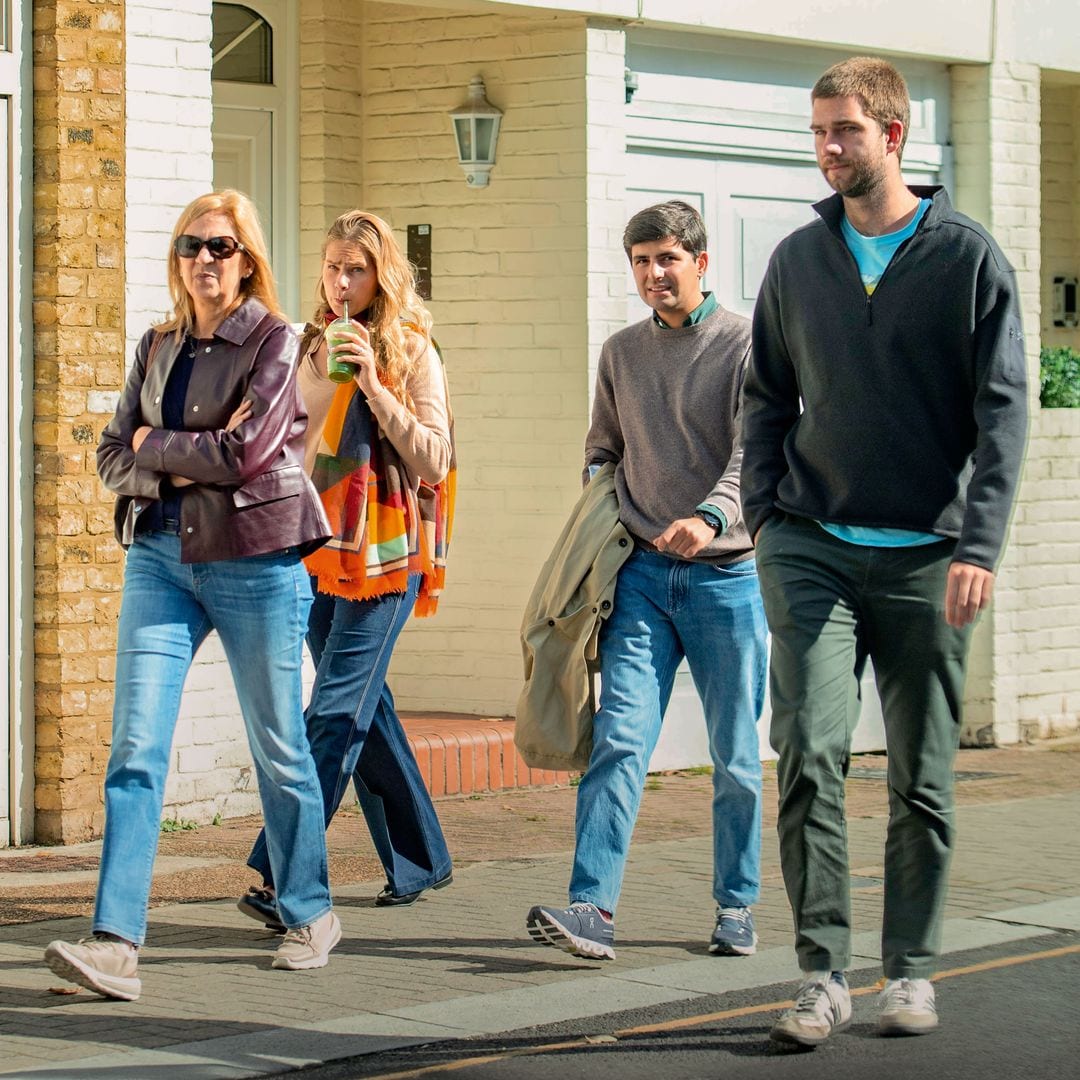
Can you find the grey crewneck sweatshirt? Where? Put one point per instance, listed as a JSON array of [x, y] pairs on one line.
[[667, 413]]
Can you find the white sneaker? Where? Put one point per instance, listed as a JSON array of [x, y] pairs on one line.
[[308, 946], [907, 1007], [822, 1006], [103, 964]]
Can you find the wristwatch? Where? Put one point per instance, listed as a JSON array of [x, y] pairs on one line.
[[710, 518]]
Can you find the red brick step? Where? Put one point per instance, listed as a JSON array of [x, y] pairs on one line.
[[459, 754]]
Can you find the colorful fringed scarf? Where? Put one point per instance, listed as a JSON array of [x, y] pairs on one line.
[[382, 531]]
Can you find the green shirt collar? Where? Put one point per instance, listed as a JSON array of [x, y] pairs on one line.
[[707, 306]]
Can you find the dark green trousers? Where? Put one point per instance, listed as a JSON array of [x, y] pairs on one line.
[[830, 604]]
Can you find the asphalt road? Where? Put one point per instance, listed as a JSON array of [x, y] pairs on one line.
[[1008, 1012]]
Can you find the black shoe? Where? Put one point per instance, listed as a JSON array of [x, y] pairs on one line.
[[259, 904], [388, 899]]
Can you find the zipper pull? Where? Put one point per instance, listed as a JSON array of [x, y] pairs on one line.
[[869, 310]]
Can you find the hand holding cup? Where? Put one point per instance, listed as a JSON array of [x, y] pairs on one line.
[[353, 347]]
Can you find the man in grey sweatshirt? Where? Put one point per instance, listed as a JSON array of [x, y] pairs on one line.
[[885, 417], [666, 413]]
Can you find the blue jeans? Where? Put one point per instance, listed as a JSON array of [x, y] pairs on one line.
[[259, 607], [666, 609], [355, 732]]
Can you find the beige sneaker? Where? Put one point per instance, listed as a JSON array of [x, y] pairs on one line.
[[308, 946], [102, 964], [822, 1007], [907, 1007]]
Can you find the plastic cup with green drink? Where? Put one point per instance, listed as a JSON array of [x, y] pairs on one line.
[[339, 371]]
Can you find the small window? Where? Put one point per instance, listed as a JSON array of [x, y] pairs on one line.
[[242, 45]]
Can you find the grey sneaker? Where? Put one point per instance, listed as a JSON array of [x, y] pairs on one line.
[[734, 934], [579, 930], [907, 1007], [105, 965], [308, 946], [822, 1006]]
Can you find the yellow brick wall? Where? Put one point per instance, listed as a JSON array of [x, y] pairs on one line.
[[78, 356], [510, 306]]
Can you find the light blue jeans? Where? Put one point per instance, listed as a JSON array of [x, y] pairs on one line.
[[259, 607], [665, 609]]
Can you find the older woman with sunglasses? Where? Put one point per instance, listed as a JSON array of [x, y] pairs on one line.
[[206, 454]]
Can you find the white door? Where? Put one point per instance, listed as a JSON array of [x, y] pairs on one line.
[[244, 158], [256, 104], [749, 207]]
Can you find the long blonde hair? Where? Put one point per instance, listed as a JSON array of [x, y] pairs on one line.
[[396, 308], [245, 220]]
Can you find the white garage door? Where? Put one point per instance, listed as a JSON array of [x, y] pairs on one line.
[[726, 129], [748, 207]]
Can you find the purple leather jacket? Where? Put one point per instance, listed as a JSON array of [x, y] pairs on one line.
[[251, 495]]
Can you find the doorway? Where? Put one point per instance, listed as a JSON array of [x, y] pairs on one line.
[[255, 93]]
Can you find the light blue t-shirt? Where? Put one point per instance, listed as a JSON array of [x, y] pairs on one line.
[[872, 255]]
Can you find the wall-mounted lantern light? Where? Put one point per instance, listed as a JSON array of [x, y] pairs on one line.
[[476, 130]]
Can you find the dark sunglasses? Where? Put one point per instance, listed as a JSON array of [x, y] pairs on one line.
[[220, 247]]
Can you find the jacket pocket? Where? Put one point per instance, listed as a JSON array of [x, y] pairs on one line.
[[270, 487]]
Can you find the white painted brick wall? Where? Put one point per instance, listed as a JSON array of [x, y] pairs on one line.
[[996, 112], [169, 148], [605, 116], [1045, 626], [331, 138], [1025, 675], [513, 260], [514, 292], [169, 162]]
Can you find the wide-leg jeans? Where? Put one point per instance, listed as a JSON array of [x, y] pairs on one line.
[[355, 732], [259, 607], [665, 609], [830, 604]]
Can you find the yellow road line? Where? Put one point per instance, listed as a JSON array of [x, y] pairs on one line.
[[706, 1018]]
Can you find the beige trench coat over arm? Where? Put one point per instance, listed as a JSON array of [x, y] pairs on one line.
[[573, 594]]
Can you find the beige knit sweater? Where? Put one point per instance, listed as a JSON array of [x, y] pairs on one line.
[[423, 440]]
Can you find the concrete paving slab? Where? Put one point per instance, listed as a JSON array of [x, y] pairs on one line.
[[1053, 915], [721, 975]]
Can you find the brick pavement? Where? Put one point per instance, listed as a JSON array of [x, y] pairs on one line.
[[211, 1006]]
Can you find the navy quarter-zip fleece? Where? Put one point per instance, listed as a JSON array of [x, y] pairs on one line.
[[906, 409]]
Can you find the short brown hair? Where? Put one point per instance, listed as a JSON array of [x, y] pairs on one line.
[[880, 88], [676, 219]]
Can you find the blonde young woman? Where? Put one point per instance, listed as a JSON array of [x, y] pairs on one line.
[[380, 452], [206, 455]]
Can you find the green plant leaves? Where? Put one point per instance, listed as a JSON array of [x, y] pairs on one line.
[[1059, 378]]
